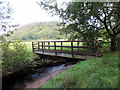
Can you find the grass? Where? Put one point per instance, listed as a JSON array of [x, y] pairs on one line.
[[29, 45], [94, 73]]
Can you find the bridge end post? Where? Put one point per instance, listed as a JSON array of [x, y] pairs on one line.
[[32, 46], [98, 46]]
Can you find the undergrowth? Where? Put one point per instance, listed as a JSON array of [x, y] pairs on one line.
[[16, 57]]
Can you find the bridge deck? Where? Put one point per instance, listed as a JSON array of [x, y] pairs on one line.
[[65, 55]]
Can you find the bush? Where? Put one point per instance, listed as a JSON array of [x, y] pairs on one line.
[[15, 57]]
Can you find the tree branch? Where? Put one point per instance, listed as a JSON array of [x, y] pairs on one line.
[[118, 32], [115, 27], [99, 19], [96, 27], [105, 24], [109, 15]]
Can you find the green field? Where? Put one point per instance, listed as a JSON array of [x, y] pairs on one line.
[[29, 45]]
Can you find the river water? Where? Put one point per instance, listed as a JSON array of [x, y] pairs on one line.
[[37, 75]]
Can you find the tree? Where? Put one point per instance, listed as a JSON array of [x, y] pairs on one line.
[[88, 20], [5, 18]]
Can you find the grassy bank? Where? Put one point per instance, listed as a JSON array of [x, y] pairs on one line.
[[94, 73]]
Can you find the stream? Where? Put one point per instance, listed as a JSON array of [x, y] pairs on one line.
[[38, 75]]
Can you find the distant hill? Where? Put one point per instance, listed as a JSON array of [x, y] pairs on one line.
[[38, 30]]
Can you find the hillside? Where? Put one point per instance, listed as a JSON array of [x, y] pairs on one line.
[[38, 30]]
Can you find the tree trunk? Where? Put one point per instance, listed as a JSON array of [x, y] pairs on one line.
[[118, 42], [113, 44]]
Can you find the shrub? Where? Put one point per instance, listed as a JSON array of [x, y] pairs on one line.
[[15, 57]]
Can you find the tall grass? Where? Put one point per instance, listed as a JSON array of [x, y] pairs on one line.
[[94, 73]]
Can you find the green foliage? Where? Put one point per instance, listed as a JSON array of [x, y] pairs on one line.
[[15, 57], [95, 73], [78, 18], [35, 31], [5, 18], [87, 20]]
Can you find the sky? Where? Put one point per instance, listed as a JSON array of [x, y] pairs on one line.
[[28, 11]]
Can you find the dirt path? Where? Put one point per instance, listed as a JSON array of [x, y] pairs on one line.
[[42, 81]]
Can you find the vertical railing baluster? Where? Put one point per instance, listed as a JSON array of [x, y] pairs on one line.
[[38, 45], [48, 45], [78, 44], [72, 49], [61, 45], [42, 48], [55, 48], [44, 45]]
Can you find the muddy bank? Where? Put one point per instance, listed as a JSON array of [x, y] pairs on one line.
[[52, 73]]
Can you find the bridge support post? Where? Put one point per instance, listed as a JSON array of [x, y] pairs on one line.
[[98, 46]]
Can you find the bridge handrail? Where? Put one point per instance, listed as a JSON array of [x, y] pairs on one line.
[[40, 45]]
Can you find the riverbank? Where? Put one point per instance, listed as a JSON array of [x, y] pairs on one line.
[[54, 71], [93, 73], [49, 66]]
